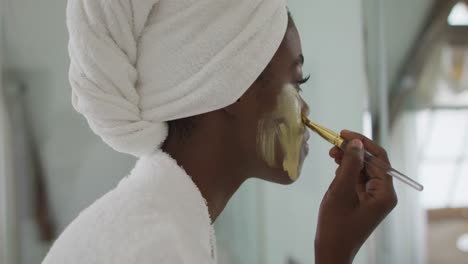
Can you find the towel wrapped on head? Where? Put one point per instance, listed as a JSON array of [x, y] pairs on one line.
[[136, 64]]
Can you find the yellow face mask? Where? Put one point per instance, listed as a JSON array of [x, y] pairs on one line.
[[283, 129]]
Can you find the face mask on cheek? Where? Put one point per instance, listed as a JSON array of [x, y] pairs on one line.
[[282, 131]]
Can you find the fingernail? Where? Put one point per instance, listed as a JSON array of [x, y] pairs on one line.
[[356, 143], [344, 131]]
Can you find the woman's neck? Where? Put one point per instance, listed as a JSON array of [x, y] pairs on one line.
[[205, 159]]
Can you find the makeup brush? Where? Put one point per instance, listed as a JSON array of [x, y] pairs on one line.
[[370, 159]]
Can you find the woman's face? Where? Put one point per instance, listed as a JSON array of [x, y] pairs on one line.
[[273, 130]]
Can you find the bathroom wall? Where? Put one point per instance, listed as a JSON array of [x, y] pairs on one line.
[[2, 176], [2, 172], [400, 237], [403, 20]]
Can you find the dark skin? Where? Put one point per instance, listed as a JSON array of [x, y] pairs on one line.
[[221, 153]]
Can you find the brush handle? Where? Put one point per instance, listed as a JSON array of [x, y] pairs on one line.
[[378, 163]]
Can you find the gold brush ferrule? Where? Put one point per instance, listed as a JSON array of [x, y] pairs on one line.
[[324, 132]]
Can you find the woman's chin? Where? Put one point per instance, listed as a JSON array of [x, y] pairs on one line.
[[280, 175], [285, 178], [276, 175]]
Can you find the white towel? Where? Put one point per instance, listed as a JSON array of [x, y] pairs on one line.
[[138, 63], [156, 215]]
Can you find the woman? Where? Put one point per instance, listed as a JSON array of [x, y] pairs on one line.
[[207, 95]]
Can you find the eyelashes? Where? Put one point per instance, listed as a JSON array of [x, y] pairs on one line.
[[301, 82], [304, 80]]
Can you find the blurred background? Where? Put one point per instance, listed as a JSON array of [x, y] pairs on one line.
[[394, 70]]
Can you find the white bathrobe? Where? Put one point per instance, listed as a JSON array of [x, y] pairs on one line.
[[155, 215]]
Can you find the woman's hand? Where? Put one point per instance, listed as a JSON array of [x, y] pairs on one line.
[[358, 199]]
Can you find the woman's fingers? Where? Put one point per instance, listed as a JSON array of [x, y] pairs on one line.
[[349, 172], [334, 151], [355, 203], [377, 151], [369, 145], [338, 161], [337, 154], [378, 185]]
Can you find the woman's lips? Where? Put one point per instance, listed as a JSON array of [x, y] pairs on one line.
[[306, 149], [306, 135]]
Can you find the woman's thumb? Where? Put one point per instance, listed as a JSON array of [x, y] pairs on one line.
[[351, 164]]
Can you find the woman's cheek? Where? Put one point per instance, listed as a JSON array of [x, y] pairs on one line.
[[282, 131]]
